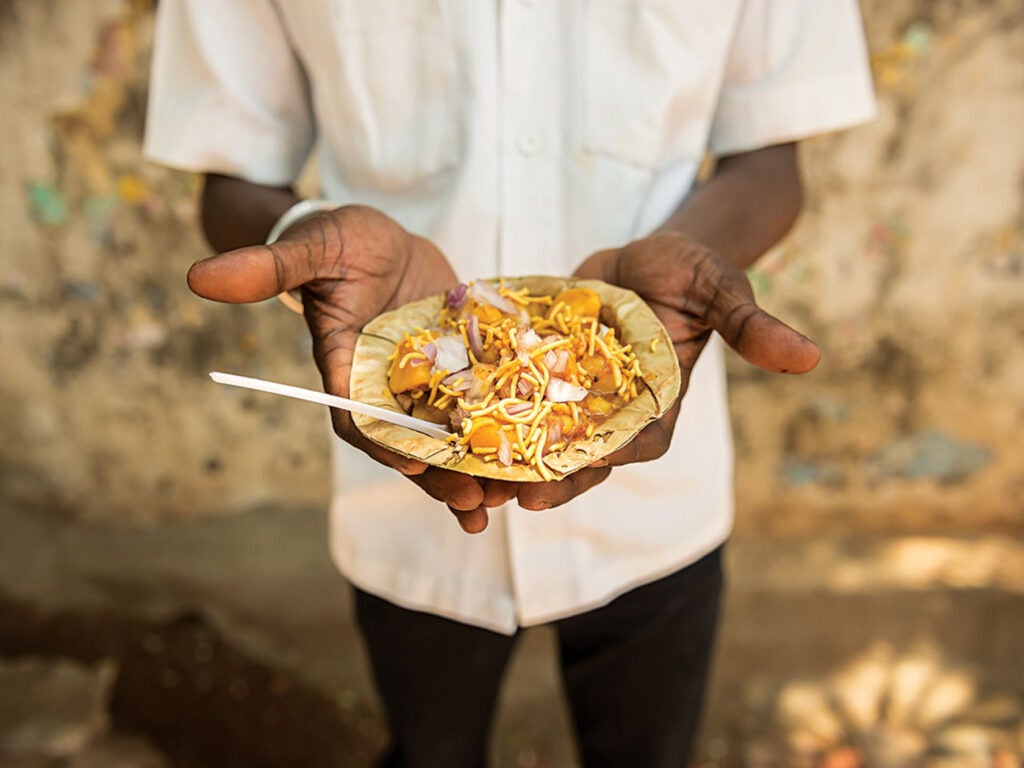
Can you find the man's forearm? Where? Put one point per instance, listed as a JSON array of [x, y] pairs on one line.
[[237, 213], [747, 206]]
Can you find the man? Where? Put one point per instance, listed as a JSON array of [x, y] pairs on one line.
[[469, 138]]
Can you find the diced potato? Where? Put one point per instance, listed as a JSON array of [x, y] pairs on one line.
[[411, 377], [565, 420], [597, 406], [485, 313], [594, 365], [583, 301], [415, 374], [488, 435], [600, 371]]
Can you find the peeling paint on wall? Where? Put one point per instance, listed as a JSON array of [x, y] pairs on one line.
[[800, 471], [908, 269], [929, 455]]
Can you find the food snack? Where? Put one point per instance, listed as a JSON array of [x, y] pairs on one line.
[[539, 376]]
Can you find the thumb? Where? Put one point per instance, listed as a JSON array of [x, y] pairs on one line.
[[758, 337], [253, 273], [599, 266]]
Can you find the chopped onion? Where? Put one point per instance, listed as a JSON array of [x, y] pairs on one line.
[[457, 296], [524, 387], [476, 343], [515, 408], [479, 388], [529, 340], [505, 451], [430, 350], [486, 293], [556, 360], [523, 358], [561, 362], [554, 432], [451, 354], [467, 379], [561, 391]]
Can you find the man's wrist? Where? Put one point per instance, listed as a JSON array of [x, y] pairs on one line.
[[683, 243]]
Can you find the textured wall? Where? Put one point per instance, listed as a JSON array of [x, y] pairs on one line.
[[907, 267], [103, 399]]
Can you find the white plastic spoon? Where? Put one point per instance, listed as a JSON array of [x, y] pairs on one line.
[[287, 390]]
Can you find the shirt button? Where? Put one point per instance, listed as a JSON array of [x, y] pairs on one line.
[[528, 143]]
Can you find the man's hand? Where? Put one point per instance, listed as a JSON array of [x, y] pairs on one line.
[[352, 264], [693, 291]]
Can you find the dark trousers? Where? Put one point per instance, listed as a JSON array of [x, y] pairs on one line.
[[634, 673]]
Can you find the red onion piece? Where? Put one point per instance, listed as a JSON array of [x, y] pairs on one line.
[[476, 342], [430, 350], [554, 432], [487, 293], [529, 340], [512, 410], [550, 358], [561, 391], [566, 356], [478, 388], [456, 298], [561, 361], [451, 354], [524, 387], [467, 379], [505, 451]]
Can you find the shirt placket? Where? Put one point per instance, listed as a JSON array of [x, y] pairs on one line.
[[530, 185], [531, 188]]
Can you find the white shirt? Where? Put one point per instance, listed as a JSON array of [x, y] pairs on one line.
[[520, 136]]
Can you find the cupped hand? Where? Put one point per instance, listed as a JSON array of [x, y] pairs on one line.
[[351, 264], [693, 291]]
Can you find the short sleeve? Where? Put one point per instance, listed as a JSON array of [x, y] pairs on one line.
[[795, 68], [227, 93]]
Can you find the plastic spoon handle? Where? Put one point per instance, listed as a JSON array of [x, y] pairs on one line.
[[287, 390]]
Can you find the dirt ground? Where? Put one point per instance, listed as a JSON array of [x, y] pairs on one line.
[[901, 648]]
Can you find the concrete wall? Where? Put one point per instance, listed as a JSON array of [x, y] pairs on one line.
[[907, 267]]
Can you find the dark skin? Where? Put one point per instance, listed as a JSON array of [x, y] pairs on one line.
[[354, 263]]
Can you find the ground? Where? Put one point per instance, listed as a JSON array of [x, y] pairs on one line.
[[214, 626]]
